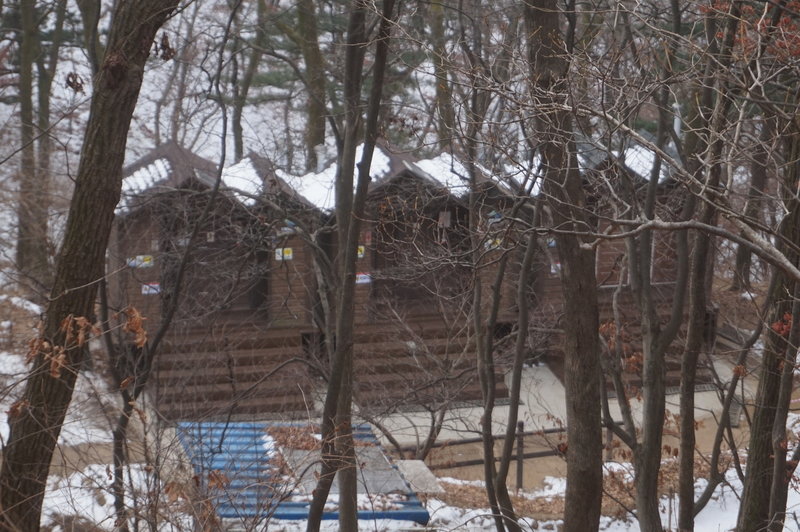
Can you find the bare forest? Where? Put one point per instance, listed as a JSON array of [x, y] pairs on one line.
[[257, 254]]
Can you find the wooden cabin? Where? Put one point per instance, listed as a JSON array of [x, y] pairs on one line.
[[245, 303], [611, 171], [420, 293], [248, 334]]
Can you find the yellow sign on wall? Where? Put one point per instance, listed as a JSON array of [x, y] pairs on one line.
[[284, 254], [140, 261]]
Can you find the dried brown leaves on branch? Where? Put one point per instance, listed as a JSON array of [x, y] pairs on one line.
[[74, 82], [618, 488], [217, 480], [77, 332], [134, 325], [163, 48], [296, 437]]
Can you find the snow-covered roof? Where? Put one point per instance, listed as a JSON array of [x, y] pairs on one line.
[[450, 172], [147, 177], [641, 160], [243, 180], [167, 166], [318, 187], [446, 170], [247, 179]]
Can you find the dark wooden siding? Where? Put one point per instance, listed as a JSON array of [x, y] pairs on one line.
[[131, 282], [232, 369], [291, 287]]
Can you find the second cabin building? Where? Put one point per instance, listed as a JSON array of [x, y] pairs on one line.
[[251, 327]]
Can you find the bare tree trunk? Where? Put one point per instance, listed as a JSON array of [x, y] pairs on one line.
[[757, 509], [46, 68], [340, 382], [445, 125], [698, 292], [523, 304], [563, 186], [754, 203], [754, 510], [701, 260], [484, 326], [315, 79], [702, 138], [782, 472], [32, 201], [336, 422], [60, 353], [90, 17], [242, 88], [306, 36]]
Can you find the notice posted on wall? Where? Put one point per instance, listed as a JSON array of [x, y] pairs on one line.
[[140, 261], [284, 254], [363, 278], [149, 289]]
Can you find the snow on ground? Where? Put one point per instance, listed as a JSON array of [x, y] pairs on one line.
[[88, 495], [85, 421], [22, 303]]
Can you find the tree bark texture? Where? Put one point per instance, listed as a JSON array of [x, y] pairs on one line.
[[754, 203], [60, 351], [446, 122], [315, 78], [242, 89], [32, 255], [754, 511], [563, 188], [337, 451], [694, 345]]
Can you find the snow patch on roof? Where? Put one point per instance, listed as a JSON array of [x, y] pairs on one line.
[[141, 180], [147, 176], [316, 187], [319, 187], [642, 160], [243, 179], [448, 171]]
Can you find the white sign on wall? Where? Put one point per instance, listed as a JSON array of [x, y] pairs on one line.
[[140, 261], [284, 254], [149, 289]]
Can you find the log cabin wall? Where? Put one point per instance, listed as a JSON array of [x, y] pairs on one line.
[[291, 285], [612, 277], [415, 343], [238, 348], [136, 266], [417, 232], [500, 240], [234, 348], [245, 369], [365, 273], [245, 327]]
